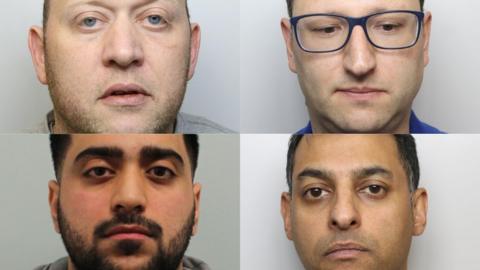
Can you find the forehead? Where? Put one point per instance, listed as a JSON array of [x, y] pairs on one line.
[[352, 8], [346, 153], [130, 144]]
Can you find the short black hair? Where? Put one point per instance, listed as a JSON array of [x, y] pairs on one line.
[[290, 6], [407, 154], [46, 11], [59, 144]]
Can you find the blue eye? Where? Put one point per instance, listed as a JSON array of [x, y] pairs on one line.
[[155, 19], [89, 22]]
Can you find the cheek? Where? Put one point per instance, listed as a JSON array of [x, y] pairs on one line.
[[405, 70], [318, 74], [309, 228], [84, 210], [73, 62], [391, 226], [170, 209]]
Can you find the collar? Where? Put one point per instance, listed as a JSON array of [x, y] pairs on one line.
[[416, 127]]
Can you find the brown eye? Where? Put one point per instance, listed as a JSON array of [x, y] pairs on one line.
[[99, 172], [315, 193], [161, 173], [376, 191]]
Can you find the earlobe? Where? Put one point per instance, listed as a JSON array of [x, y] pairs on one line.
[[420, 209], [53, 197], [195, 39], [286, 215], [287, 37], [197, 188], [37, 51]]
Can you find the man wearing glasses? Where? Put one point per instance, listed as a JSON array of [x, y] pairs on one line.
[[359, 63]]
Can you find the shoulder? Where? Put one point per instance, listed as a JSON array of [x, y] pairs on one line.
[[190, 263], [419, 127], [60, 264], [187, 123]]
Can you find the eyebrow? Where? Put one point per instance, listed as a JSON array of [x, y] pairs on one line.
[[100, 152], [316, 173], [150, 154], [361, 173], [105, 4], [371, 171]]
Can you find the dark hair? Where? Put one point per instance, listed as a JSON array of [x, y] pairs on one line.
[[46, 9], [406, 149], [290, 6], [59, 144]]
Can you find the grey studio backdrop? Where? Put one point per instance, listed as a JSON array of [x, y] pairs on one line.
[[448, 170], [271, 100], [214, 88], [26, 231]]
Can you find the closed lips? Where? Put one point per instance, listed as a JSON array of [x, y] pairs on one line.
[[128, 230], [345, 247]]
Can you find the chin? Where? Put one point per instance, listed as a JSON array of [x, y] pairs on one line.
[[362, 123]]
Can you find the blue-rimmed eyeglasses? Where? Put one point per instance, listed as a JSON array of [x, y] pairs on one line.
[[323, 33]]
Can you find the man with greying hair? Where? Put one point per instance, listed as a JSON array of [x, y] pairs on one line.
[[125, 201], [353, 201], [360, 64], [117, 66]]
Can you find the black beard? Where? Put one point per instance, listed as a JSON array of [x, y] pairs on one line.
[[84, 257]]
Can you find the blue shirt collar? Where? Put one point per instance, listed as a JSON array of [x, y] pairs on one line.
[[416, 127]]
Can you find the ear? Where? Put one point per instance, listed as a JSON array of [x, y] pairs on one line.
[[53, 197], [427, 27], [37, 51], [196, 197], [286, 214], [420, 208], [288, 37], [195, 39]]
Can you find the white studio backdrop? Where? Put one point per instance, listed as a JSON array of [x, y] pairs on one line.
[[448, 170], [272, 102], [27, 235], [213, 92]]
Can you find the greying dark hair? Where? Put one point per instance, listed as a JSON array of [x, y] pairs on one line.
[[46, 11], [407, 151], [290, 6], [59, 144]]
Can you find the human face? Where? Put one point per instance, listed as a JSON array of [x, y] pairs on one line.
[[125, 201], [116, 66], [350, 205], [359, 88]]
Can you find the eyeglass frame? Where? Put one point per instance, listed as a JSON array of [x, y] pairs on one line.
[[354, 21]]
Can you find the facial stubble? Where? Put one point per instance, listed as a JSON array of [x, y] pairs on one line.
[[85, 257]]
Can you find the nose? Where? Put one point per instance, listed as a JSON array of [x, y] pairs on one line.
[[359, 56], [344, 214], [129, 194], [122, 45]]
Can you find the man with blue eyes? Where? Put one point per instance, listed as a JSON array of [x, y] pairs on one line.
[[125, 201], [353, 200], [117, 66], [360, 64]]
